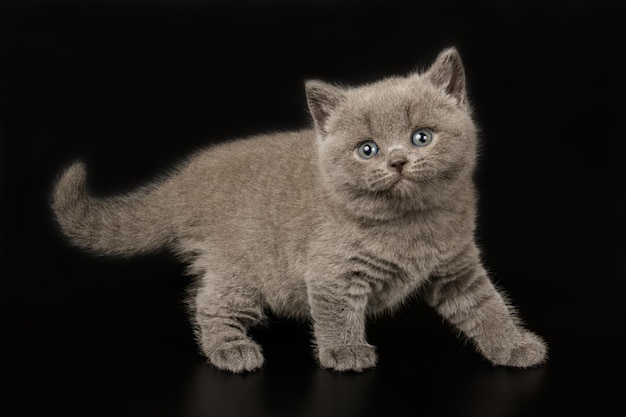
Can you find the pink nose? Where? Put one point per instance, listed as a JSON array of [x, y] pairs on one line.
[[398, 163]]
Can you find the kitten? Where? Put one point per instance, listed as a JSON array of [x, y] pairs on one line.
[[331, 224]]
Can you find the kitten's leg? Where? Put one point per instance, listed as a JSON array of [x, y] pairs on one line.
[[338, 310], [223, 315], [463, 294]]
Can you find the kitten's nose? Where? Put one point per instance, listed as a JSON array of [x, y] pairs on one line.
[[397, 162]]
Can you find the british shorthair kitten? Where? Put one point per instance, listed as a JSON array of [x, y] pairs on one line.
[[331, 224]]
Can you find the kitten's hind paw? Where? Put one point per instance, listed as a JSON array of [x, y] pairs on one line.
[[348, 358], [237, 356]]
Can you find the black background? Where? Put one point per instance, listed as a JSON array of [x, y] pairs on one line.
[[131, 87]]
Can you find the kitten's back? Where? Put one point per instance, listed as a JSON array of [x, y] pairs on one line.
[[224, 190]]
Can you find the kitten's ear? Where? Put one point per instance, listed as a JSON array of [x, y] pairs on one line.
[[323, 99], [447, 73]]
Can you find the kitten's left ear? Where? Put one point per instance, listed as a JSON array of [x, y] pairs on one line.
[[447, 73], [323, 99]]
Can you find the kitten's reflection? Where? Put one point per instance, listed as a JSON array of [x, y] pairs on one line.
[[500, 392], [341, 394], [306, 391], [217, 393], [296, 392]]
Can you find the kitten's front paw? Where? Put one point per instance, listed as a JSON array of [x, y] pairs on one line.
[[348, 358], [531, 351], [237, 356]]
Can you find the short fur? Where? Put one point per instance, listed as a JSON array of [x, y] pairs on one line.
[[301, 224]]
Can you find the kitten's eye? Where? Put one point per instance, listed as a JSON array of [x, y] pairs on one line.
[[422, 137], [367, 149]]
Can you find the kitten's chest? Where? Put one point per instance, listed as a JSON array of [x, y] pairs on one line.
[[420, 244], [396, 260]]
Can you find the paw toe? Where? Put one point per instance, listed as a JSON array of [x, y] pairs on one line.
[[348, 358], [533, 351], [239, 356]]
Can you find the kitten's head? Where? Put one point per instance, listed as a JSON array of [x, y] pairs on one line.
[[396, 145]]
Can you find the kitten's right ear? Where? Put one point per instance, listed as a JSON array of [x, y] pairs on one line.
[[323, 99]]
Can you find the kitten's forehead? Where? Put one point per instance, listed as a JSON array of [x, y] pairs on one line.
[[393, 102]]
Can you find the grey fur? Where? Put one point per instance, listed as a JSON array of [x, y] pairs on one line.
[[300, 224]]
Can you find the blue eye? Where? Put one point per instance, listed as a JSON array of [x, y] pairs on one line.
[[422, 137], [367, 149]]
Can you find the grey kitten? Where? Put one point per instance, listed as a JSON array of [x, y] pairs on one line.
[[332, 224]]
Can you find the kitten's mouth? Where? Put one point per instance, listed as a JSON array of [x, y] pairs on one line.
[[402, 184], [402, 180], [394, 184]]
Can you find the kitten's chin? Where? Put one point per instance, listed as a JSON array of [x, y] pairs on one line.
[[403, 181], [392, 184]]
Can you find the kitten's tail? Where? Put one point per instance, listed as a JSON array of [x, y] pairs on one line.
[[122, 225]]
